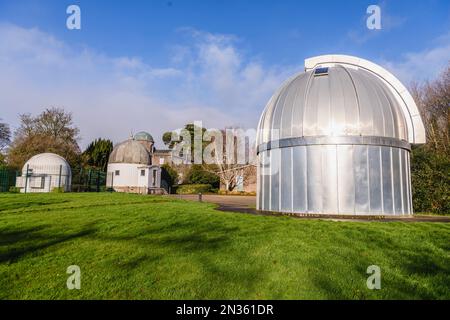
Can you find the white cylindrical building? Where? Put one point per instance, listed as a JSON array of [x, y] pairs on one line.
[[336, 139], [130, 166]]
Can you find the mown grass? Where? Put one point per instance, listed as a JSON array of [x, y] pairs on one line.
[[143, 247]]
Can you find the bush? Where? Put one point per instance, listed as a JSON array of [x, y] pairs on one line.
[[14, 189], [430, 175], [197, 175], [58, 190], [237, 193], [194, 188]]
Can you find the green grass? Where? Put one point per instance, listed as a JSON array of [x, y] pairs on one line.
[[143, 247]]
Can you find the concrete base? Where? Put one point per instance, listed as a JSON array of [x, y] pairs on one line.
[[141, 190]]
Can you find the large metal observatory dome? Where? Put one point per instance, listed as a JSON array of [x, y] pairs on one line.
[[336, 139]]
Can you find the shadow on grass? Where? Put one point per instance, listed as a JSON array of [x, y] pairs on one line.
[[198, 244], [33, 240]]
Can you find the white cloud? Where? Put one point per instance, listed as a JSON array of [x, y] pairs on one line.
[[422, 65], [208, 80]]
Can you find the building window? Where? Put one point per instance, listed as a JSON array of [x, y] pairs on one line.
[[161, 160], [117, 172], [142, 173], [154, 178]]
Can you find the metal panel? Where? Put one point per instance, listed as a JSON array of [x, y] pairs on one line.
[[291, 105], [346, 179], [323, 108], [259, 195], [405, 182], [397, 182], [337, 110], [351, 124], [299, 172], [365, 104], [286, 180], [360, 167], [376, 202], [329, 179], [311, 108], [388, 205], [314, 179], [299, 106], [266, 180], [275, 163]]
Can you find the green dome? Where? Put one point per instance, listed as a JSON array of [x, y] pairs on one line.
[[143, 136]]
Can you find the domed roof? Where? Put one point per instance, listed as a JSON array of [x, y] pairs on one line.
[[337, 99], [143, 136], [130, 151], [47, 163]]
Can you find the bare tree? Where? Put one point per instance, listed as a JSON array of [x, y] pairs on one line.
[[433, 100], [231, 157]]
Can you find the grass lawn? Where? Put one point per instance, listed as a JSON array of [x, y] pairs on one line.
[[143, 247]]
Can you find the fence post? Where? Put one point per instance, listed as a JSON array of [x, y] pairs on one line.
[[89, 180], [59, 180], [26, 179], [98, 181], [112, 181]]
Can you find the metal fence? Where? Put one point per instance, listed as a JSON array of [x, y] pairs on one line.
[[52, 178], [88, 180], [7, 179], [44, 178]]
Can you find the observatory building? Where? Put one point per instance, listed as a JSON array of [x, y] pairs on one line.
[[336, 139], [43, 173], [134, 166]]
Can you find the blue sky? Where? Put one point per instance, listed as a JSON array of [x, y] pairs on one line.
[[154, 65]]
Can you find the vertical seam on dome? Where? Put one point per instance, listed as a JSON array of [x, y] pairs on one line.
[[391, 106], [293, 108], [282, 108], [357, 98], [378, 88], [305, 99], [292, 111]]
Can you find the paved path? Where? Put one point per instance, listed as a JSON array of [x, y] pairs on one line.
[[247, 204]]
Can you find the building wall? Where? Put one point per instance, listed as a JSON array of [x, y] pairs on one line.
[[335, 179], [128, 174]]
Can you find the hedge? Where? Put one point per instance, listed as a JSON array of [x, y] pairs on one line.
[[194, 188]]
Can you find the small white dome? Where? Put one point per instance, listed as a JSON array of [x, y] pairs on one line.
[[47, 163]]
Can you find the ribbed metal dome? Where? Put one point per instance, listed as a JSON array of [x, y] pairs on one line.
[[336, 139], [333, 101], [47, 163], [130, 151]]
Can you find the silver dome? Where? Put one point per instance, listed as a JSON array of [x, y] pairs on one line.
[[339, 101], [336, 139], [130, 151]]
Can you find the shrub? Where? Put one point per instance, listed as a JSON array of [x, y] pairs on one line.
[[194, 188], [237, 193], [430, 175], [14, 189], [197, 175], [58, 190]]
